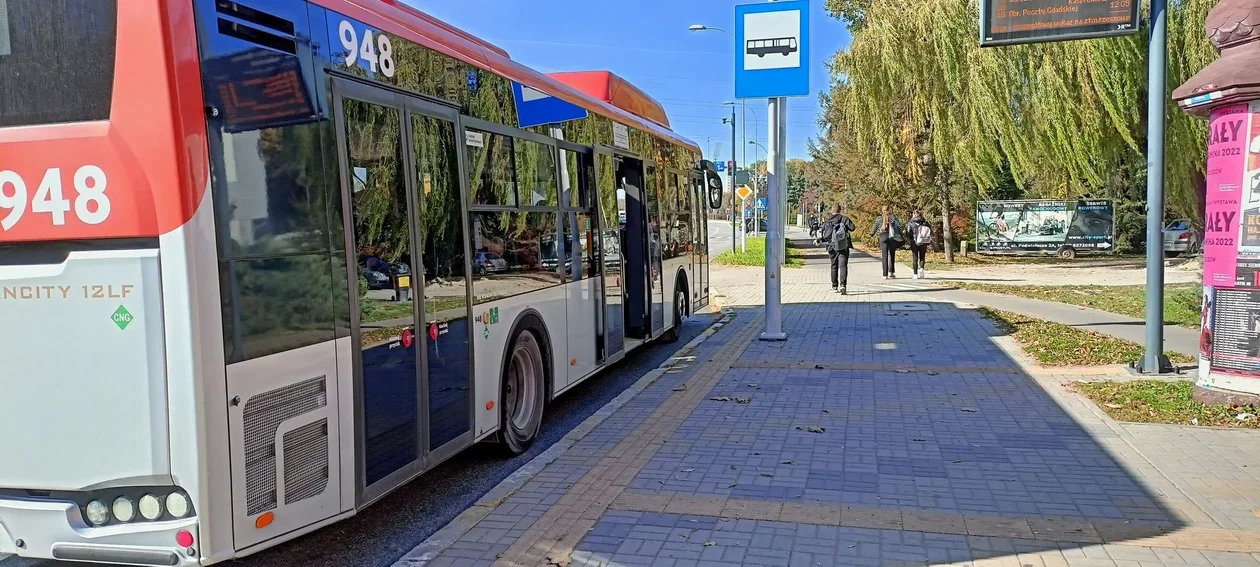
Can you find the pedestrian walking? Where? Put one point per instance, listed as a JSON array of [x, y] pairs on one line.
[[837, 237], [888, 227], [920, 239]]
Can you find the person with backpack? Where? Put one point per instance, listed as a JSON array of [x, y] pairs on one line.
[[920, 239], [837, 237], [888, 228]]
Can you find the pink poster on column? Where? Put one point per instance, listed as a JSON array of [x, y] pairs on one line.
[[1226, 160]]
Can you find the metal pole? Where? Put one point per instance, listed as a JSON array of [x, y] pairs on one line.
[[775, 166], [781, 218], [1154, 361], [730, 177]]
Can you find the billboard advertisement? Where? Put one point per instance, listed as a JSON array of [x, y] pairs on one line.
[[1045, 226]]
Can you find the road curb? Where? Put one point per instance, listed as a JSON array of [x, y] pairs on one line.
[[442, 539]]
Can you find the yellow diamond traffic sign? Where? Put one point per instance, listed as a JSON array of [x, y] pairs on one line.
[[743, 192]]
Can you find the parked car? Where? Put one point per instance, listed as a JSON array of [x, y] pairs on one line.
[[489, 263], [379, 273], [1180, 238]]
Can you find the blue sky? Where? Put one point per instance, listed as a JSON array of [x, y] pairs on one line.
[[647, 42]]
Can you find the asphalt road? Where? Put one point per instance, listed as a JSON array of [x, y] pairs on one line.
[[390, 528], [719, 236]]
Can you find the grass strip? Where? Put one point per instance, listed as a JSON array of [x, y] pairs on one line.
[[1056, 344]]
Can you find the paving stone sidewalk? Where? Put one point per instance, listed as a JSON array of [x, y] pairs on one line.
[[887, 430]]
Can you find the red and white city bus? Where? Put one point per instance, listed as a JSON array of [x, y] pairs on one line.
[[264, 261]]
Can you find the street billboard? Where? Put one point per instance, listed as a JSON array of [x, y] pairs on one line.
[[1010, 22], [1045, 226]]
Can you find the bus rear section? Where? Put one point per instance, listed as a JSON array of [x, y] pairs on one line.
[[93, 177]]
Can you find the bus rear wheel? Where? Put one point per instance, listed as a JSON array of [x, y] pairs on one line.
[[524, 393]]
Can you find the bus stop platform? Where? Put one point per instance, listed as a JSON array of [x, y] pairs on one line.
[[888, 429]]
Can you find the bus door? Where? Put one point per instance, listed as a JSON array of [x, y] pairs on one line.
[[401, 177], [635, 271], [698, 220], [610, 212], [700, 241], [653, 190]]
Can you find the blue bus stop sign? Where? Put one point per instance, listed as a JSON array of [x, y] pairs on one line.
[[772, 49], [762, 202]]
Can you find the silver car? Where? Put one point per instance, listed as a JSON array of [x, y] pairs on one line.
[[1180, 238]]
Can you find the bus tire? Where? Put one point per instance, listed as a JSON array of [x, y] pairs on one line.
[[680, 313], [524, 387]]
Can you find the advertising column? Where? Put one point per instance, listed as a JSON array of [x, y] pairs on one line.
[[1230, 345], [1227, 93]]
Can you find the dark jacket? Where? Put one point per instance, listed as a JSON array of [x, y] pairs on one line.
[[834, 221], [878, 229]]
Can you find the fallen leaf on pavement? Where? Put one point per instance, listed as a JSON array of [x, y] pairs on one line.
[[766, 474], [755, 386], [810, 428], [970, 410], [1115, 406], [680, 388], [933, 373], [689, 470], [788, 463], [743, 400], [710, 543], [721, 398]]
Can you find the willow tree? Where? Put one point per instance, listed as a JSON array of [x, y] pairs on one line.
[[1060, 118]]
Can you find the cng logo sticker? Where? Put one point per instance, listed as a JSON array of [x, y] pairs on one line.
[[122, 317]]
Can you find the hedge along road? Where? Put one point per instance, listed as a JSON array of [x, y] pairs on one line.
[[386, 530]]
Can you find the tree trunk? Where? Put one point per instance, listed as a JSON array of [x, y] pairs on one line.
[[947, 233]]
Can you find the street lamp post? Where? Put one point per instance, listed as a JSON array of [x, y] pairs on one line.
[[730, 177], [744, 106]]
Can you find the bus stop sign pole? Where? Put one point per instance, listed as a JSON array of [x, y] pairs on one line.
[[772, 61], [776, 164]]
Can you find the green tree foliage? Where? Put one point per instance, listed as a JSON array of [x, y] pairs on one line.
[[796, 183], [916, 102]]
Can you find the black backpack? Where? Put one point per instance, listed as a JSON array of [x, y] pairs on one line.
[[836, 234]]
